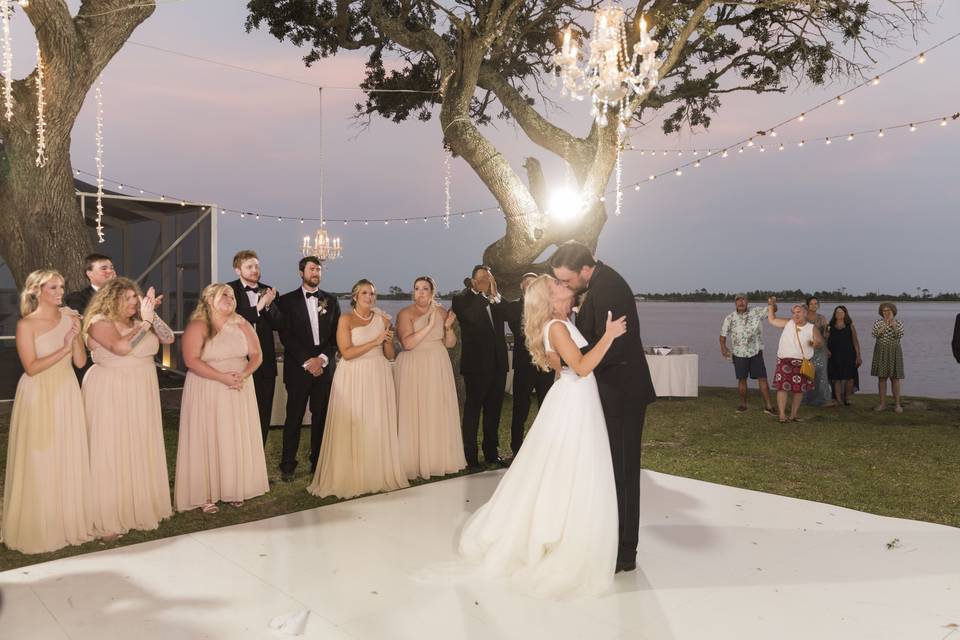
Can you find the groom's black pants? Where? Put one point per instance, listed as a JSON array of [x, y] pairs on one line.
[[625, 433]]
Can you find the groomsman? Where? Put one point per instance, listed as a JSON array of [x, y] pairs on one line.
[[956, 339], [309, 335], [98, 269], [527, 377], [255, 303], [483, 363]]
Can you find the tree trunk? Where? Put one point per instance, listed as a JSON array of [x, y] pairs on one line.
[[39, 212], [42, 224]]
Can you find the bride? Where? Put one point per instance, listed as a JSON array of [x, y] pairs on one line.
[[551, 525]]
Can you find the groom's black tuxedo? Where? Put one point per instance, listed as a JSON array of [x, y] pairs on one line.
[[623, 380], [265, 323], [296, 334], [483, 364]]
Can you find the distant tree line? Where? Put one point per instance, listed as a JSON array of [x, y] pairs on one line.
[[839, 295]]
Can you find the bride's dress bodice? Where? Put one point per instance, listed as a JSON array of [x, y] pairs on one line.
[[575, 334]]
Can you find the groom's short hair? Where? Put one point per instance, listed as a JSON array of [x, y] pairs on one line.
[[572, 255]]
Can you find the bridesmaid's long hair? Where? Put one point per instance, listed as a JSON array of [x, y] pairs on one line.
[[537, 312], [108, 302], [30, 296], [204, 311]]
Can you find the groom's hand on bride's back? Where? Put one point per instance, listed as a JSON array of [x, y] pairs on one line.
[[616, 328]]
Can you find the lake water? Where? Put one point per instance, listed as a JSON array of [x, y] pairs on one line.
[[930, 367]]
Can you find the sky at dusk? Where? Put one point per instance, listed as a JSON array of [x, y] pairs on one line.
[[869, 214]]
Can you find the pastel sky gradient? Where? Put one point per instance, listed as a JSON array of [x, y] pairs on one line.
[[869, 214]]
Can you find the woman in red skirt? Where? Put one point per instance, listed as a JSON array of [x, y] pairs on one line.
[[797, 343]]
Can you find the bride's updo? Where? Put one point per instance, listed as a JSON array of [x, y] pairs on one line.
[[537, 312]]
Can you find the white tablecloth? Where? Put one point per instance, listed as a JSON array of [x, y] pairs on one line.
[[278, 413], [677, 376]]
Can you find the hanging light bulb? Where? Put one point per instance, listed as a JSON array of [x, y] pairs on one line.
[[912, 127], [829, 141], [840, 101], [802, 117], [880, 135], [876, 81], [849, 137], [922, 58]]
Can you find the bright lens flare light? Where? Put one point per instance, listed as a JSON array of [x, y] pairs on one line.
[[565, 205]]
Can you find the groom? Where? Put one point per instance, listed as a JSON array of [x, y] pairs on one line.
[[623, 378]]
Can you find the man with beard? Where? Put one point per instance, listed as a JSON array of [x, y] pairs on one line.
[[623, 378], [255, 304], [309, 336]]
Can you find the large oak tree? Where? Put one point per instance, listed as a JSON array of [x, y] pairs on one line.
[[484, 59], [40, 216]]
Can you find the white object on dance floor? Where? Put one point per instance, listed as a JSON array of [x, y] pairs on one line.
[[292, 624], [715, 562], [675, 375]]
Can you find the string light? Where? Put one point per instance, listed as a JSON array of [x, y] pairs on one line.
[[840, 101], [875, 81], [618, 209], [98, 93], [446, 185], [41, 122], [849, 137], [7, 60], [880, 134], [922, 58]]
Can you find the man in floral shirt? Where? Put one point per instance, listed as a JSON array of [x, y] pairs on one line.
[[743, 327]]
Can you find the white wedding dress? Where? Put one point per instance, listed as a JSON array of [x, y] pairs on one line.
[[551, 525]]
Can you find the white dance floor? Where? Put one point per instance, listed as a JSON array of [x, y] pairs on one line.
[[715, 563]]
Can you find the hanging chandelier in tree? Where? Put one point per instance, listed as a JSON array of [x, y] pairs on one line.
[[613, 74]]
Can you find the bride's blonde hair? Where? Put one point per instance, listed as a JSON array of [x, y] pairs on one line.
[[537, 312]]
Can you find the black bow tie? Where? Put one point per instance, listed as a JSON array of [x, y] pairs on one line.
[[312, 294], [254, 289]]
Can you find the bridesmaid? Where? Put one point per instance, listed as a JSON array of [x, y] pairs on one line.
[[360, 452], [121, 395], [46, 495], [220, 451], [431, 443]]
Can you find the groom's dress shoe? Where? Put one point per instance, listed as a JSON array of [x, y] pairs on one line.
[[626, 565], [500, 462]]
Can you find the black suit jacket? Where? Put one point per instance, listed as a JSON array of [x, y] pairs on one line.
[[483, 346], [956, 339], [623, 377], [296, 335], [78, 300], [265, 323], [513, 312]]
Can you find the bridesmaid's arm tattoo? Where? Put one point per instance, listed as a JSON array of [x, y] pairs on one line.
[[138, 336], [163, 331]]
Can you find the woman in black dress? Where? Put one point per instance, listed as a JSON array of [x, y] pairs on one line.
[[844, 349]]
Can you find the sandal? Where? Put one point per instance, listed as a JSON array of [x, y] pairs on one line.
[[210, 508], [237, 504], [796, 419]]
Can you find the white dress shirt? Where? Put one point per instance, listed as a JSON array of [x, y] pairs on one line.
[[313, 312]]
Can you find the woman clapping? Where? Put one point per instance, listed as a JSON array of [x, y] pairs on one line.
[[121, 395]]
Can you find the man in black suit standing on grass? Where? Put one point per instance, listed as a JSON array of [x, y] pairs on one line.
[[623, 377], [483, 364], [527, 377], [309, 336], [255, 302], [956, 339]]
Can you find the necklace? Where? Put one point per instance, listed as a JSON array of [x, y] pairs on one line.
[[365, 319]]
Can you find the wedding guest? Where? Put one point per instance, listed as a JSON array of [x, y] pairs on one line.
[[888, 355], [308, 331], [220, 450], [745, 330], [483, 364], [99, 270], [121, 395], [527, 378], [956, 339], [843, 345], [428, 414], [821, 395], [255, 304], [360, 452], [46, 491], [797, 343]]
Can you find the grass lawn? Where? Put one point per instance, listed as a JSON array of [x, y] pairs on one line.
[[897, 465]]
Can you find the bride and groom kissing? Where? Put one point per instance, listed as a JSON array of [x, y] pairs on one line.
[[565, 516]]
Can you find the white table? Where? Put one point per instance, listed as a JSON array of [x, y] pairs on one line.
[[677, 376], [278, 413]]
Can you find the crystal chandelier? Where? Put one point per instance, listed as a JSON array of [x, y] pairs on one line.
[[324, 247], [612, 74]]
